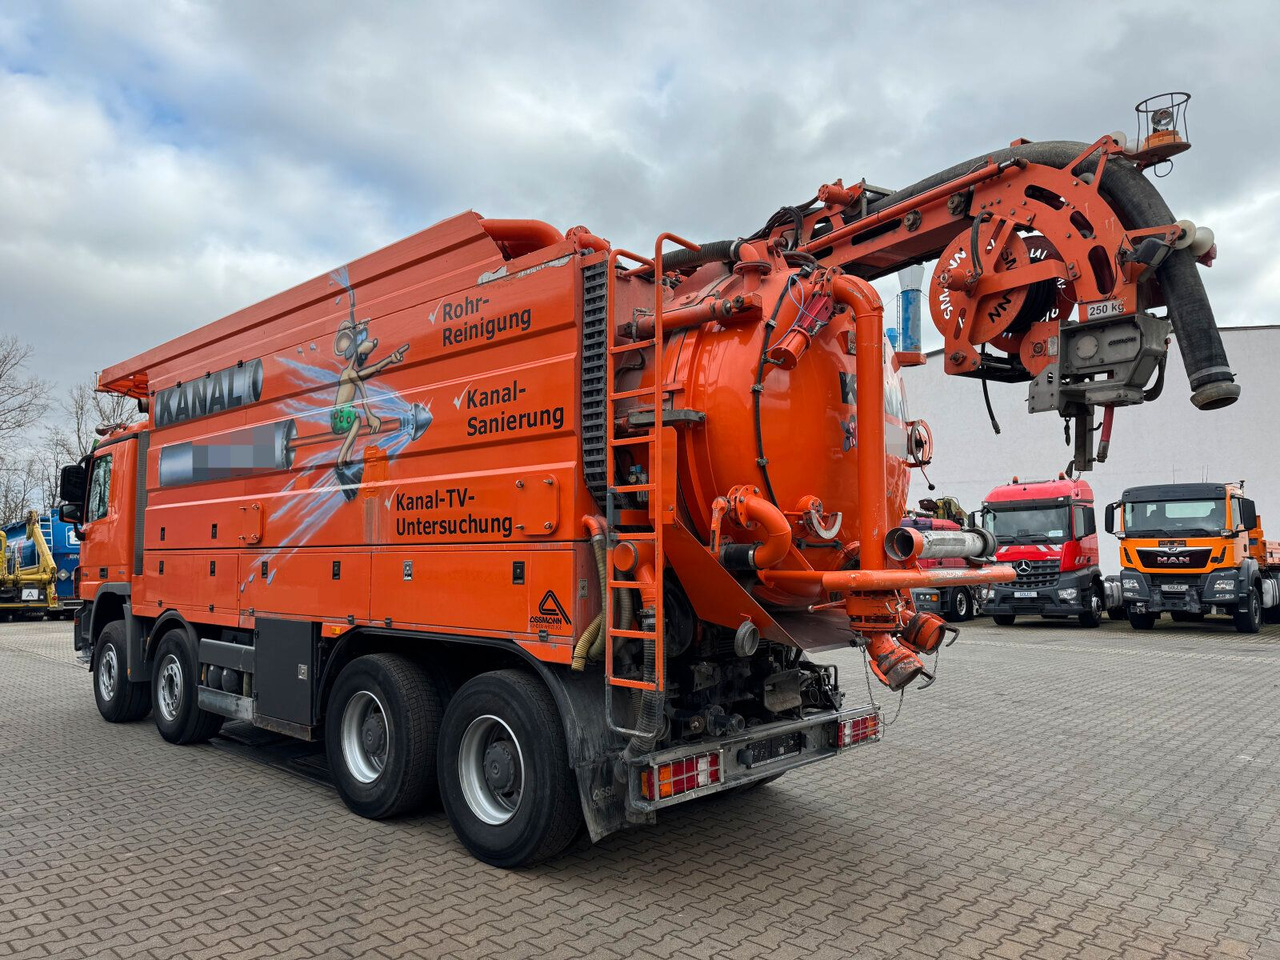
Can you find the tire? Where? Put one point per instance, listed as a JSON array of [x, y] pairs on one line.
[[525, 808], [961, 605], [1185, 616], [1142, 621], [1003, 619], [119, 701], [1248, 617], [382, 727], [173, 695], [1092, 616]]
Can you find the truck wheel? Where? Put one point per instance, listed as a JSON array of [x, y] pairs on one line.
[[119, 701], [381, 728], [173, 692], [504, 770], [1142, 621], [961, 605], [1092, 616], [1003, 619], [1248, 616]]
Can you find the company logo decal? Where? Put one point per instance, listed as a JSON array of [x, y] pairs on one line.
[[550, 612]]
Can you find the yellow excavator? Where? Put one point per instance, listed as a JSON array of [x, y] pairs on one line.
[[28, 589]]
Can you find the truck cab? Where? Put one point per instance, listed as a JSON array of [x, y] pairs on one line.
[[1192, 549], [1047, 531]]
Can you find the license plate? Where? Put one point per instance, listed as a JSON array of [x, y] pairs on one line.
[[1174, 588], [1104, 308], [1024, 594], [30, 593]]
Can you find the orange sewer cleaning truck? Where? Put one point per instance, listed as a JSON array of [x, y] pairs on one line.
[[555, 530]]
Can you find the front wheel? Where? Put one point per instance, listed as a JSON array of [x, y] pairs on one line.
[[1003, 619], [961, 605], [1092, 615], [1141, 621], [381, 730], [119, 701], [504, 770], [173, 690], [1248, 616]]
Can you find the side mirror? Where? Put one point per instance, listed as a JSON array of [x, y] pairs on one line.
[[1248, 514], [1110, 521], [70, 513], [972, 519], [71, 483]]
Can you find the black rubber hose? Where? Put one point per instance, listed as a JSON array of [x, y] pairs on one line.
[[1140, 205], [682, 259]]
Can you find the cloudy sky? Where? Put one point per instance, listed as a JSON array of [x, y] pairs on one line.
[[162, 164]]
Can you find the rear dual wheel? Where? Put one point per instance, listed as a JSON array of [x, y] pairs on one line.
[[497, 756], [504, 771], [381, 731]]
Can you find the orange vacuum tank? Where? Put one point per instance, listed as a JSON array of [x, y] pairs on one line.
[[765, 405]]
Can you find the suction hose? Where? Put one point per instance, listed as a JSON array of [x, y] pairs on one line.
[[596, 627], [1140, 205], [590, 645]]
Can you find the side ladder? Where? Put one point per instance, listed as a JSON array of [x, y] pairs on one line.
[[656, 490]]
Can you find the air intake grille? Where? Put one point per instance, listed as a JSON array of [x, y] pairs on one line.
[[595, 354], [1039, 573]]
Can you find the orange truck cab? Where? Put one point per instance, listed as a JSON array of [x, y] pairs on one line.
[[1047, 532], [1191, 550]]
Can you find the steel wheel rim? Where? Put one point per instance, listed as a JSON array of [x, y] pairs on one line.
[[962, 604], [108, 672], [170, 698], [366, 737], [491, 769]]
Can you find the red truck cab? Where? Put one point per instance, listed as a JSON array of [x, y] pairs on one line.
[[1047, 531]]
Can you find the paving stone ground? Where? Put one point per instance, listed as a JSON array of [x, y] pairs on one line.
[[1058, 793]]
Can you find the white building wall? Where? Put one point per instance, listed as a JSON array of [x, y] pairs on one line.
[[1166, 441]]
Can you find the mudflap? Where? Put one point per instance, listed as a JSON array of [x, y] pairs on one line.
[[593, 749]]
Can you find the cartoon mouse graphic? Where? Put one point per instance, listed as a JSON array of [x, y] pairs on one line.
[[351, 409]]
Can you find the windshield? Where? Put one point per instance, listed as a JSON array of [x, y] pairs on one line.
[[1048, 524], [1176, 518]]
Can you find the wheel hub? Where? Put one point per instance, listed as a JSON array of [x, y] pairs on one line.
[[373, 734], [499, 767]]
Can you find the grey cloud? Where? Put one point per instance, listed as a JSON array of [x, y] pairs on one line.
[[168, 164]]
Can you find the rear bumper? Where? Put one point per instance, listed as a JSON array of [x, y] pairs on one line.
[[760, 752]]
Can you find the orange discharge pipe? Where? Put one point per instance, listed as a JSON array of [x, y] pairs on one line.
[[753, 511], [843, 581], [868, 315]]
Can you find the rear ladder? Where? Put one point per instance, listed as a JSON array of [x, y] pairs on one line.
[[656, 490]]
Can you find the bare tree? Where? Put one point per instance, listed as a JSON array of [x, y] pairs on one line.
[[83, 411], [20, 392], [19, 489]]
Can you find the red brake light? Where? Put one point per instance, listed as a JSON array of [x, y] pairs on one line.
[[857, 730], [680, 776]]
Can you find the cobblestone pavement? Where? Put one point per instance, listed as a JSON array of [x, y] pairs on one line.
[[1059, 793]]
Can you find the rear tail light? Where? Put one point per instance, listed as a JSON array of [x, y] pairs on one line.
[[663, 780], [857, 730]]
